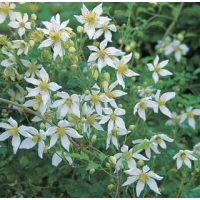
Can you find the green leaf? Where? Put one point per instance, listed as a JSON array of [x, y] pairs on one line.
[[197, 188], [92, 166], [73, 155], [140, 146], [3, 148], [102, 156], [84, 156]]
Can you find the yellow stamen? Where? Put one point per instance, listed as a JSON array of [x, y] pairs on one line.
[[90, 18], [190, 114], [55, 36], [161, 102], [143, 177], [95, 98], [61, 130], [68, 101], [128, 155], [13, 130], [36, 138], [143, 105], [183, 156], [43, 85], [122, 68]]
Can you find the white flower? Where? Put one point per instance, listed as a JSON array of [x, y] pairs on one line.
[[114, 134], [20, 23], [112, 94], [197, 148], [163, 43], [175, 119], [113, 119], [190, 114], [34, 137], [160, 140], [178, 49], [57, 35], [68, 104], [14, 131], [145, 91], [96, 97], [21, 45], [91, 119], [142, 105], [57, 158], [157, 69], [62, 131], [43, 86], [32, 68], [161, 100], [123, 70], [91, 19], [6, 10], [106, 30], [104, 55], [184, 156], [128, 156], [147, 146], [10, 61], [143, 177]]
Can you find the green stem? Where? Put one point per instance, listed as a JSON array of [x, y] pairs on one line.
[[181, 185]]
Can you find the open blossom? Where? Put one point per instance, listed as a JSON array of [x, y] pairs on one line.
[[10, 61], [142, 177], [113, 119], [91, 19], [43, 86], [21, 23], [142, 105], [148, 146], [68, 104], [33, 138], [57, 158], [160, 140], [103, 55], [105, 29], [190, 114], [21, 45], [184, 156], [14, 131], [62, 131], [197, 148], [57, 35], [157, 69], [6, 9], [123, 70], [128, 156], [161, 100], [32, 68], [175, 119]]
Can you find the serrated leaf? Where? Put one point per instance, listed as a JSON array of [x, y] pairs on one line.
[[92, 166]]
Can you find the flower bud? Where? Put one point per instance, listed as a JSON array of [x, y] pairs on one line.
[[42, 126], [95, 74], [92, 171], [112, 160], [72, 49], [140, 163], [87, 92], [33, 16], [128, 48], [136, 55], [36, 106], [106, 76], [110, 187], [133, 44], [131, 127], [108, 164], [79, 29]]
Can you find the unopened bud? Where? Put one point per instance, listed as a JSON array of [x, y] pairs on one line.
[[106, 76], [33, 16], [92, 171], [197, 170], [131, 127], [36, 106], [128, 48], [42, 126], [87, 92], [136, 55], [108, 164], [95, 74], [110, 187], [140, 163], [79, 29], [112, 160], [72, 49]]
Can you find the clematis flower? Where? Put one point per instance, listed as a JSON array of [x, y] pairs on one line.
[[20, 23], [43, 86], [6, 9], [57, 158], [21, 45], [175, 119], [142, 177], [14, 131], [104, 56], [184, 156], [10, 61], [33, 138], [91, 19], [190, 114], [142, 105], [62, 131], [57, 33], [197, 148], [68, 104], [161, 100], [157, 69], [128, 156]]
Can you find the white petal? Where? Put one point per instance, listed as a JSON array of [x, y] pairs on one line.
[[139, 187], [27, 144], [153, 185], [65, 142], [56, 159], [165, 111], [164, 72], [4, 135], [130, 180], [73, 133]]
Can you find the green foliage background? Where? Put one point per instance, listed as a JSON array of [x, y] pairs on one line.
[[26, 175]]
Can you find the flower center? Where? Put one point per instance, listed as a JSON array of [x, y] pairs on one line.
[[5, 8], [157, 68], [32, 68], [143, 105], [21, 24], [68, 101], [128, 155], [95, 98], [55, 36], [158, 140], [143, 177], [22, 46], [183, 156], [61, 130], [161, 102], [110, 94], [91, 119], [176, 48], [113, 117], [115, 131], [101, 53], [43, 85], [13, 130], [122, 68], [36, 138], [105, 28], [190, 114], [91, 18]]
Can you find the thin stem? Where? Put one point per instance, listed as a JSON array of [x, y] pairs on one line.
[[181, 185]]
